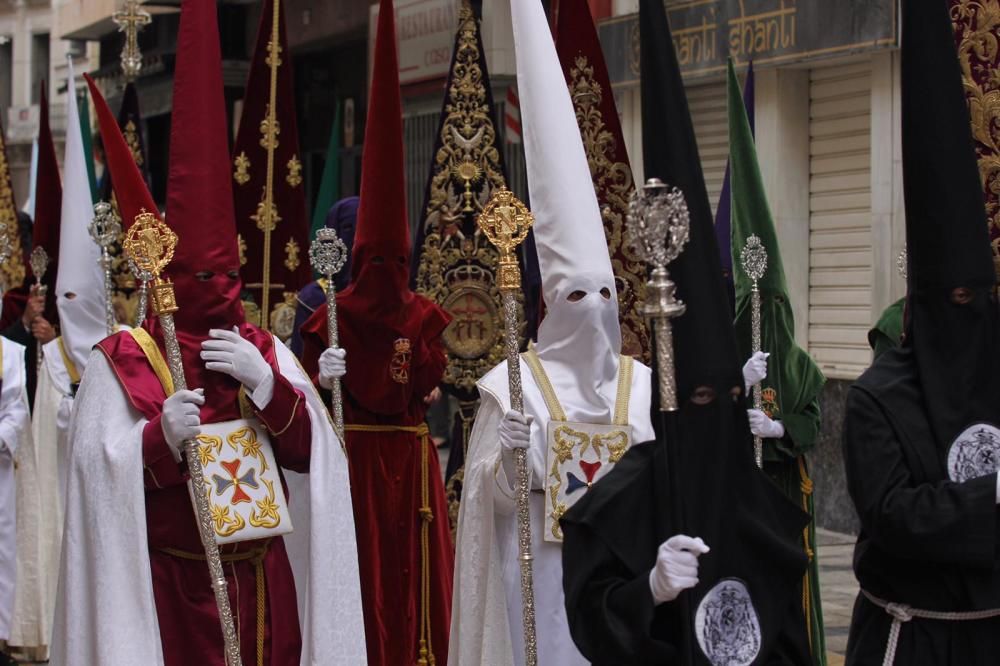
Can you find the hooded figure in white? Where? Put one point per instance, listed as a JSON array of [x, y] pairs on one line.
[[15, 433], [80, 297], [594, 391]]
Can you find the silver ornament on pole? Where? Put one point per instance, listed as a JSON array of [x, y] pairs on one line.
[[328, 254], [105, 229], [753, 258], [39, 261]]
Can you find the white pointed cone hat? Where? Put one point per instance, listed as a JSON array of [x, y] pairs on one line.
[[569, 232], [81, 317]]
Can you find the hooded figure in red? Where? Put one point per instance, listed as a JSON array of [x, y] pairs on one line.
[[392, 337], [231, 365]]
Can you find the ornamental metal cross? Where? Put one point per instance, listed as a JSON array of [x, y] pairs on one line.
[[130, 20]]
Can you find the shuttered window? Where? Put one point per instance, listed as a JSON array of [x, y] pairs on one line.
[[840, 254], [707, 103]]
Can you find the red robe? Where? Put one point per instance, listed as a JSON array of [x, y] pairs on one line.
[[185, 603], [387, 470]]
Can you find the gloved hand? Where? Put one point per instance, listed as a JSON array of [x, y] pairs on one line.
[[228, 352], [181, 417], [676, 567], [755, 370], [332, 366], [761, 425], [515, 431]]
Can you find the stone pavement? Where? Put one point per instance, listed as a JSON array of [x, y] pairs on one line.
[[838, 589]]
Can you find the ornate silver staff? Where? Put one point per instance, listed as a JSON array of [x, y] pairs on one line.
[[150, 244], [142, 278], [105, 229], [658, 225], [130, 20], [506, 221], [753, 257], [39, 261], [328, 254], [5, 252], [658, 229]]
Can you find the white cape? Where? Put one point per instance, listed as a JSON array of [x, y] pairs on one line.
[[486, 606], [14, 435], [106, 616]]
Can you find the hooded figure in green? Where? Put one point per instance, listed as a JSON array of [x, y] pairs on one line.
[[790, 419]]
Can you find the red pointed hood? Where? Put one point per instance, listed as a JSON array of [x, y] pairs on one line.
[[383, 230], [130, 188], [48, 203], [199, 194]]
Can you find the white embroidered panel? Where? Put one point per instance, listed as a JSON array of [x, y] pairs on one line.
[[727, 626], [974, 453], [244, 487], [577, 456]]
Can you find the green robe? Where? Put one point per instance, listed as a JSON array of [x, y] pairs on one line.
[[888, 331], [794, 382]]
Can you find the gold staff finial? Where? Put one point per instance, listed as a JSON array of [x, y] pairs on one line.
[[130, 19]]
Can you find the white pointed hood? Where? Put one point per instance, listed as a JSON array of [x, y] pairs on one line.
[[81, 318], [579, 341]]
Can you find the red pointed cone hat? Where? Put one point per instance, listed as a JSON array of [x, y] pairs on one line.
[[383, 230], [380, 317], [130, 189], [48, 204]]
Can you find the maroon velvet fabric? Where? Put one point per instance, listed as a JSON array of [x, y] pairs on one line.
[[385, 486], [189, 625]]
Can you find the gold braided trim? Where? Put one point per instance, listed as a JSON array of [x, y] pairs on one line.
[[426, 650], [626, 365], [255, 557], [623, 396], [155, 358], [806, 486], [74, 374]]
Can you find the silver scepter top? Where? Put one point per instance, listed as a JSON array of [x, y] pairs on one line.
[[39, 261], [106, 227], [658, 224], [753, 256], [327, 253]]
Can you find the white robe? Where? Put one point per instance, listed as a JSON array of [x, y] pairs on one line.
[[14, 432], [486, 606], [105, 614]]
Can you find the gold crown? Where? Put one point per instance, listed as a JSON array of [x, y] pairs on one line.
[[402, 346]]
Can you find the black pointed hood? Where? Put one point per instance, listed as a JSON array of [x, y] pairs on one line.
[[953, 330], [670, 153]]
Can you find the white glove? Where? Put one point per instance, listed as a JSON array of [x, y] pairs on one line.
[[755, 370], [228, 352], [332, 366], [676, 567], [515, 431], [761, 425], [181, 419]]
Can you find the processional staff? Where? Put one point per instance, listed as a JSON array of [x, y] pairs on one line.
[[658, 226], [506, 221], [150, 245], [105, 229], [753, 258], [328, 254], [39, 261]]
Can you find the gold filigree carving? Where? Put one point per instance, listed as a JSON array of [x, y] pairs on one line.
[[458, 264], [294, 177], [242, 164], [614, 185], [269, 132], [242, 244], [266, 219], [977, 25], [12, 271], [292, 251], [131, 135]]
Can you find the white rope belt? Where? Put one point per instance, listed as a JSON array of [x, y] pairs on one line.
[[901, 614]]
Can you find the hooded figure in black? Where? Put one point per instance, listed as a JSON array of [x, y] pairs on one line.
[[744, 607], [921, 438]]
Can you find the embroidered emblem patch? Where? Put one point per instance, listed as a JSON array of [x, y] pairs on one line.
[[975, 453], [769, 402], [399, 367], [727, 626]]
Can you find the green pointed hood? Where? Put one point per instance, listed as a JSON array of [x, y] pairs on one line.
[[794, 381]]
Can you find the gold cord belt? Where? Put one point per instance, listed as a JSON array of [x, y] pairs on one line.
[[426, 517], [255, 557]]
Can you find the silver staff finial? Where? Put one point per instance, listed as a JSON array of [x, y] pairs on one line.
[[327, 253]]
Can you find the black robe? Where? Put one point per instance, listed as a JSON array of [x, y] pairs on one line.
[[926, 541], [611, 540]]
